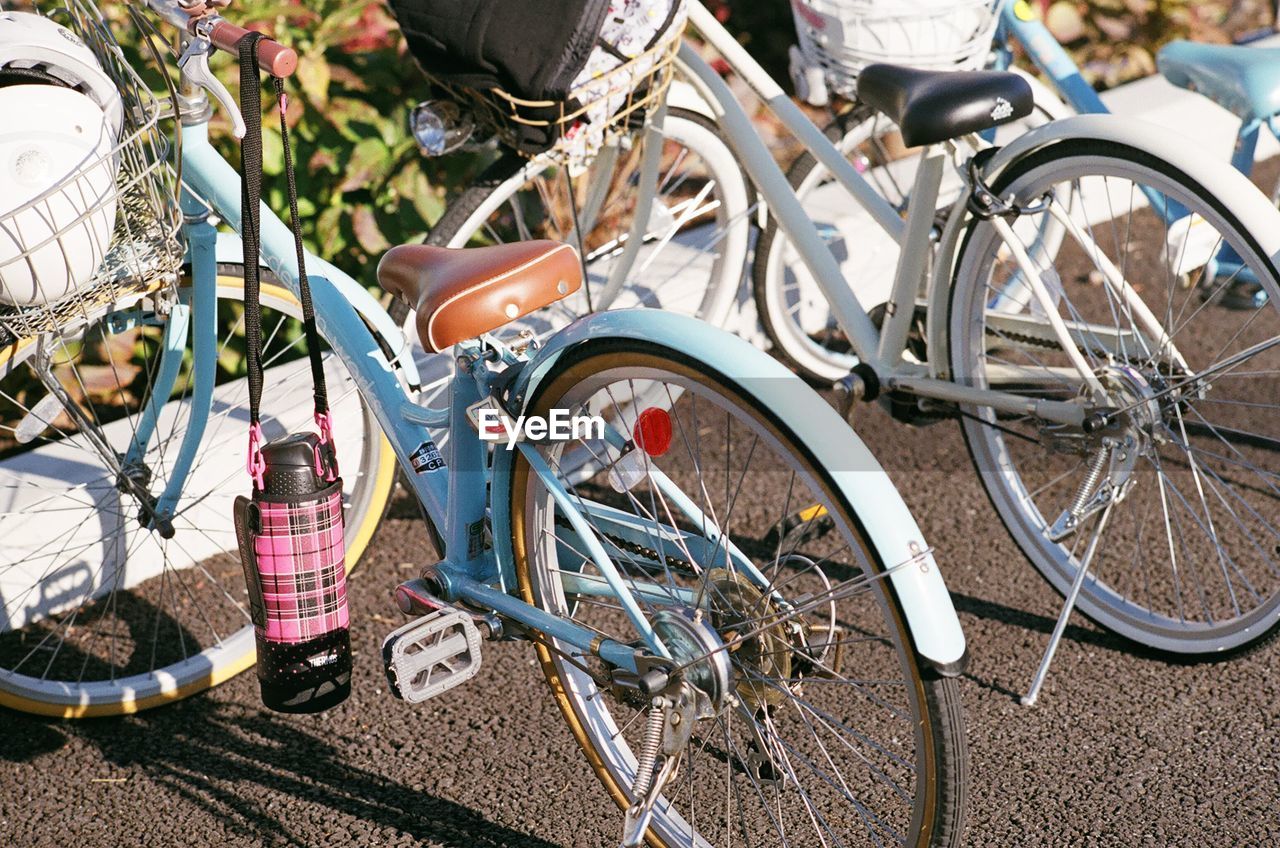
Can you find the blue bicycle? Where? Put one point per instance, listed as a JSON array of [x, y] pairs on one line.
[[802, 676]]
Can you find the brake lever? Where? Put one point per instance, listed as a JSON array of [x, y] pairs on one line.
[[194, 65]]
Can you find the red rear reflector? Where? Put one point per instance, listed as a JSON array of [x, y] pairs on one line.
[[652, 433], [811, 17]]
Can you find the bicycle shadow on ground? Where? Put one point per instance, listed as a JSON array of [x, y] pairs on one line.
[[242, 766], [1088, 634]]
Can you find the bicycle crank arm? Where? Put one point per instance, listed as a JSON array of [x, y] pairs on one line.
[[417, 597]]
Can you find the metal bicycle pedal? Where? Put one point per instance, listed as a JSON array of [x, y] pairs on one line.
[[432, 654]]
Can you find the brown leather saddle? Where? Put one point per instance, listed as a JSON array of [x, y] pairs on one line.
[[464, 292]]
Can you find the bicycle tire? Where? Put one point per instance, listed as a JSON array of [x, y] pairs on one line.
[[1128, 600], [128, 682], [937, 812], [766, 268]]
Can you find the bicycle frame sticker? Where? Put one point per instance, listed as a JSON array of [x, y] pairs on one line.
[[475, 539], [426, 457]]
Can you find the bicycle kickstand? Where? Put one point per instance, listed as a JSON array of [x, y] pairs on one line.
[[1068, 605]]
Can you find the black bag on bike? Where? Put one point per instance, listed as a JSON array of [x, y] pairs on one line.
[[533, 48], [542, 52]]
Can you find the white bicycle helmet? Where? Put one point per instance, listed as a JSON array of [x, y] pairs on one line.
[[57, 168]]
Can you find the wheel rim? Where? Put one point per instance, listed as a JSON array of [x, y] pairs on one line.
[[798, 723], [147, 620], [1190, 562]]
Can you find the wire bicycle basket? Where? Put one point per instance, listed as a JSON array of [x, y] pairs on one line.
[[607, 101], [838, 38], [143, 250]]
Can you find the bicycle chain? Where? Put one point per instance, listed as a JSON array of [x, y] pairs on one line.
[[1035, 341], [635, 548]]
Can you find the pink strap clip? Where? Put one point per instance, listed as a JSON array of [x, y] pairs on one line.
[[257, 464], [326, 451]]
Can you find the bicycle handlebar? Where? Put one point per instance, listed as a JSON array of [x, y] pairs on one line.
[[277, 59], [274, 57]]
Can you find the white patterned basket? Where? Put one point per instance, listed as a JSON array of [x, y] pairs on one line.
[[616, 87], [838, 38]]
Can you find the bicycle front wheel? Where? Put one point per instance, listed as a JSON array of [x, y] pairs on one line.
[[100, 614], [825, 729], [1189, 561]]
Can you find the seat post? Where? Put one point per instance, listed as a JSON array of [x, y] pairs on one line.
[[1246, 146], [913, 257], [466, 462]]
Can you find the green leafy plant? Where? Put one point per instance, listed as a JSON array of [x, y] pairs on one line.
[[363, 185]]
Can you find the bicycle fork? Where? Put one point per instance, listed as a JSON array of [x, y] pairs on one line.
[[198, 317]]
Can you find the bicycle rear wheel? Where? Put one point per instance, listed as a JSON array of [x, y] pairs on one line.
[[1190, 560], [695, 242], [829, 730], [100, 615]]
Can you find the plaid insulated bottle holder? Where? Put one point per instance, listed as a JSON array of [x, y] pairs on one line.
[[290, 530]]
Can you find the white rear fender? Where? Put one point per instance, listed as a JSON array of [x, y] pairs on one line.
[[892, 532], [1231, 188], [1260, 219]]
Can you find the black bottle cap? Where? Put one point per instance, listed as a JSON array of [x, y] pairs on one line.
[[298, 449]]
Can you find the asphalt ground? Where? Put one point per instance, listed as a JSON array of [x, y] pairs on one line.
[[1122, 750]]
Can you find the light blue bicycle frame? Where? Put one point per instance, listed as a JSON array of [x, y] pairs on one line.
[[454, 494]]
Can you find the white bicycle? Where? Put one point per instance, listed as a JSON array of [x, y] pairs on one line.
[[1065, 308]]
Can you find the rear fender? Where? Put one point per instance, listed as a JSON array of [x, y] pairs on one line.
[[1259, 217], [893, 533]]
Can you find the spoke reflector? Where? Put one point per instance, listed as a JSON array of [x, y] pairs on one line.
[[652, 432], [39, 419]]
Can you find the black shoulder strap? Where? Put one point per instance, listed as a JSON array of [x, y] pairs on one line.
[[250, 234]]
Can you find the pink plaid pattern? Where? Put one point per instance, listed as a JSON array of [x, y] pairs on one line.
[[302, 568]]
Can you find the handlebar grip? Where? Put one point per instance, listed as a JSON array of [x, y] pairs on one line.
[[274, 57]]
